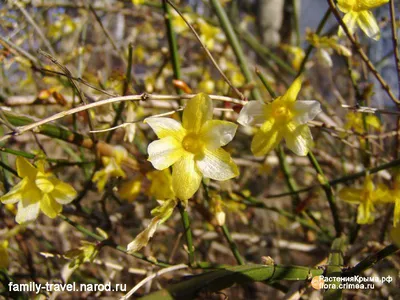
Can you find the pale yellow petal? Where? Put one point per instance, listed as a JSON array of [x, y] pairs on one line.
[[350, 19], [49, 206], [370, 4], [217, 165], [305, 111], [364, 215], [266, 139], [165, 152], [351, 195], [25, 168], [43, 183], [15, 194], [164, 127], [186, 177], [198, 110], [373, 121], [143, 238], [27, 211], [298, 139], [63, 193], [252, 114], [216, 133], [396, 214], [293, 91], [368, 24]]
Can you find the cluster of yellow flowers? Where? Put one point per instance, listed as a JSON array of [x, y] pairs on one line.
[[369, 195]]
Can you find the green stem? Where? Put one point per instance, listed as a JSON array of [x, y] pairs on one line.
[[172, 42], [392, 164], [112, 244], [290, 182], [188, 233], [371, 260], [235, 44], [232, 245], [329, 193]]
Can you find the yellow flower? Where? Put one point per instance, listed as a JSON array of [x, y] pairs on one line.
[[4, 258], [112, 168], [161, 214], [324, 46], [209, 33], [296, 53], [357, 12], [38, 190], [129, 190], [355, 122], [86, 253], [283, 118], [394, 195], [138, 2], [216, 208], [193, 148], [161, 185], [366, 198]]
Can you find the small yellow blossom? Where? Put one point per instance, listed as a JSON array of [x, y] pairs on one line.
[[161, 214], [358, 12], [296, 54], [38, 190], [112, 168], [366, 198], [130, 189], [161, 184], [324, 46], [284, 118], [193, 148], [138, 2], [4, 258], [355, 122], [394, 196], [216, 208], [86, 253], [209, 33]]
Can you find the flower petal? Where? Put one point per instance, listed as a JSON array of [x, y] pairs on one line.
[[49, 206], [216, 133], [266, 139], [364, 215], [198, 110], [186, 177], [25, 168], [217, 165], [142, 239], [15, 194], [27, 211], [351, 195], [368, 24], [63, 193], [293, 91], [370, 4], [350, 20], [305, 111], [298, 139], [165, 152], [252, 113], [164, 127]]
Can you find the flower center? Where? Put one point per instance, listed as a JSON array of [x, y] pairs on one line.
[[192, 143], [282, 113]]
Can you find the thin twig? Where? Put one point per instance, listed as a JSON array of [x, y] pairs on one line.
[[237, 92], [151, 277]]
